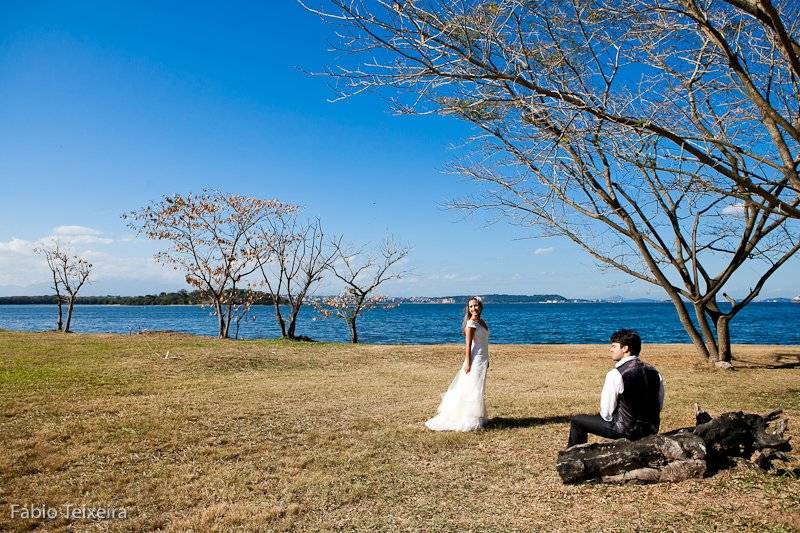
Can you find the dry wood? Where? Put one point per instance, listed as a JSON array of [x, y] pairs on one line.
[[682, 454]]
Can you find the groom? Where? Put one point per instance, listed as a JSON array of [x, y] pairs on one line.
[[632, 397]]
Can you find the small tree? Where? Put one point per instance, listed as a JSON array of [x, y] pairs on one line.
[[209, 235], [51, 254], [242, 305], [70, 272], [361, 275], [296, 258]]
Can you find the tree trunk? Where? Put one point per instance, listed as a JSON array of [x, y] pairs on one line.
[[293, 321], [701, 312], [70, 306], [649, 460], [228, 313], [723, 339], [353, 333], [220, 319], [279, 315], [742, 435], [60, 312], [686, 321], [678, 455]]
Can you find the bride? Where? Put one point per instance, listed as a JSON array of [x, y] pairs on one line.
[[463, 407]]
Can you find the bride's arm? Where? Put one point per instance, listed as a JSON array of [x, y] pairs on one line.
[[469, 333]]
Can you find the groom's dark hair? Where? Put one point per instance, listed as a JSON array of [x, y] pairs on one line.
[[629, 338]]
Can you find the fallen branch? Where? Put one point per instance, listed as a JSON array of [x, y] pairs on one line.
[[686, 453]]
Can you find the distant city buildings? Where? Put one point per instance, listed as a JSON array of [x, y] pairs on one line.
[[425, 300]]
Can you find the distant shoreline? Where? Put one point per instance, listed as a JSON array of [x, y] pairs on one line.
[[586, 302]]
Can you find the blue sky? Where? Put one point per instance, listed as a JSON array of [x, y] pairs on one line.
[[104, 110]]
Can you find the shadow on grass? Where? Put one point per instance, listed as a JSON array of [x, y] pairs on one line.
[[782, 360], [500, 422]]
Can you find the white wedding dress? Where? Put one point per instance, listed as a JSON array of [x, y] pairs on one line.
[[463, 407]]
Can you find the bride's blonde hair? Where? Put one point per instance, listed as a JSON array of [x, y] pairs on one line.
[[467, 313]]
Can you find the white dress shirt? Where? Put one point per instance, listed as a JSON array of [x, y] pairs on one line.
[[614, 386]]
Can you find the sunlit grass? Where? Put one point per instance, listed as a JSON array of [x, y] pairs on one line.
[[189, 432]]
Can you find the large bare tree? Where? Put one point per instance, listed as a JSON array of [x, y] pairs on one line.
[[661, 137], [70, 273], [296, 258], [362, 274], [208, 235]]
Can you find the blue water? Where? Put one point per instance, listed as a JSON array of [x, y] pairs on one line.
[[759, 323]]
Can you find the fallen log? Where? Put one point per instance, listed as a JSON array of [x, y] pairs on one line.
[[651, 459], [739, 434], [681, 454]]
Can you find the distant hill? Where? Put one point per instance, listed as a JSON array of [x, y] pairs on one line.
[[519, 298], [164, 298], [487, 299], [193, 298]]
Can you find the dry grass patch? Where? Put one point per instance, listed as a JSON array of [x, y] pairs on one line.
[[274, 435]]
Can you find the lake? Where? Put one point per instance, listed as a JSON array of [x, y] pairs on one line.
[[759, 323]]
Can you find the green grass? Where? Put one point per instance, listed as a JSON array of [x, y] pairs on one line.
[[279, 435]]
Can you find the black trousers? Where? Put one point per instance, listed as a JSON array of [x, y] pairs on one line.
[[582, 425]]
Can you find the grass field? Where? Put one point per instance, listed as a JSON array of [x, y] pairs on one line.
[[273, 435]]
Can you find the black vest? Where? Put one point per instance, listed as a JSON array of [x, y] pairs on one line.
[[638, 412]]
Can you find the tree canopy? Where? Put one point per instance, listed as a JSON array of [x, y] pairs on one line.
[[661, 137]]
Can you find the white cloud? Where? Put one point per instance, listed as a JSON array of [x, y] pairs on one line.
[[733, 210], [75, 230], [451, 276], [88, 239], [15, 245], [79, 235], [406, 280], [544, 251], [108, 265], [448, 277], [21, 266]]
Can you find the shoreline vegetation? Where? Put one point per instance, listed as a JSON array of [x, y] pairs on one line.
[[188, 432], [184, 297]]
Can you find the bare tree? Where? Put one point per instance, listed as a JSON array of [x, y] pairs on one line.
[[661, 137], [295, 259], [52, 254], [208, 235], [70, 272], [361, 274]]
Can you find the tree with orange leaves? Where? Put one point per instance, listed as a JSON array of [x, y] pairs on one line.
[[209, 239]]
